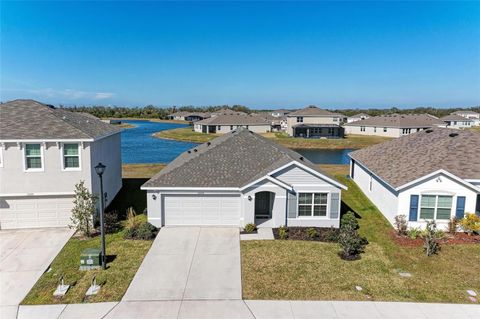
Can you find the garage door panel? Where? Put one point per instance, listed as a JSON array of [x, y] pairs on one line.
[[35, 212], [209, 210]]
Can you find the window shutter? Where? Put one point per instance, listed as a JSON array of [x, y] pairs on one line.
[[460, 211], [334, 205], [292, 205], [413, 208]]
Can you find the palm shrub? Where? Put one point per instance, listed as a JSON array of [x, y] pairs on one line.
[[250, 228], [283, 232], [351, 243], [401, 224], [431, 245], [312, 233], [452, 225], [84, 208], [470, 223]]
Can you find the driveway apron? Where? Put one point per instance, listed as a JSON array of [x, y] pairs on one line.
[[190, 263]]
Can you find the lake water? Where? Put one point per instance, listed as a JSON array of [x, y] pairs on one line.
[[139, 146]]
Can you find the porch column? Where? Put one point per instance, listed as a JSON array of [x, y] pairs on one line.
[[308, 132]]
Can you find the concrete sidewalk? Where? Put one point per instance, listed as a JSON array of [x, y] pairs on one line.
[[249, 309]]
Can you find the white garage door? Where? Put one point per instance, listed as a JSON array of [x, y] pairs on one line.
[[35, 212], [215, 210]]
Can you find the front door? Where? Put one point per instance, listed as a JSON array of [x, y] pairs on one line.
[[263, 205]]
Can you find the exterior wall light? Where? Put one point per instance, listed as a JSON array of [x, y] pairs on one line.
[[154, 197], [249, 198]]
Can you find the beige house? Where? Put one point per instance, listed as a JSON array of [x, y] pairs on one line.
[[224, 123], [314, 122], [357, 117], [457, 121], [188, 116], [393, 125], [44, 152]]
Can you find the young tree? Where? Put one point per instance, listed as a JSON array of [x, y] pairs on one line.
[[350, 241], [431, 245], [83, 209]]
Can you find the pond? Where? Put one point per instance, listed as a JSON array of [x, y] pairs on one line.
[[139, 146]]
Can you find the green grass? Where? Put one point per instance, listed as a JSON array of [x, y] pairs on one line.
[[126, 255], [312, 270], [186, 134]]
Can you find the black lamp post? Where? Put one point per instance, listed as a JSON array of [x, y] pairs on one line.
[[100, 169]]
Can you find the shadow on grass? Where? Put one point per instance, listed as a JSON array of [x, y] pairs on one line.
[[344, 208], [129, 196]]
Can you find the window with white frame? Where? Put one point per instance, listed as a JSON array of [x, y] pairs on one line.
[[312, 204], [436, 207], [300, 119], [71, 156], [33, 157], [385, 129], [362, 128]]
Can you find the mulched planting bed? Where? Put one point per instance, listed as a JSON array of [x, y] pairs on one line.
[[458, 238], [300, 233]]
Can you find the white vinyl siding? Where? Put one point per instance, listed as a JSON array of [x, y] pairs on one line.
[[435, 207], [33, 157], [1, 155]]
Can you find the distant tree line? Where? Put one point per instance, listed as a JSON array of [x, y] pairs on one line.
[[151, 111]]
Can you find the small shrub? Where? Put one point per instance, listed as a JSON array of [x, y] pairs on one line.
[[132, 220], [112, 223], [145, 231], [350, 241], [312, 233], [83, 211], [440, 234], [452, 225], [431, 245], [401, 224], [331, 234], [283, 232], [250, 228], [470, 223], [414, 233]]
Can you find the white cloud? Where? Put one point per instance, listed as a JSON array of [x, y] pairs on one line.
[[69, 94]]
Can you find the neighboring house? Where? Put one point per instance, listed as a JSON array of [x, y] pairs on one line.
[[242, 178], [277, 123], [313, 122], [432, 174], [280, 113], [188, 116], [471, 115], [457, 121], [225, 123], [393, 125], [357, 117], [44, 152], [226, 111]]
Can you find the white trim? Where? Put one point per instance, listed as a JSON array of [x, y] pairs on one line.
[[36, 194], [440, 171], [271, 179], [435, 209], [62, 158], [2, 146], [203, 189], [46, 140], [327, 206], [42, 158]]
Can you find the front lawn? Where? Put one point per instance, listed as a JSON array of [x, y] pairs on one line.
[[125, 257], [186, 134], [313, 270]]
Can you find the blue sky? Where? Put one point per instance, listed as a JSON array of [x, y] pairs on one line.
[[262, 55]]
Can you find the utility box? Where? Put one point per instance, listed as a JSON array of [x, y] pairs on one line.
[[91, 258]]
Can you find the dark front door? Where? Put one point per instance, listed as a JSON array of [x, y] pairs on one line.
[[263, 205]]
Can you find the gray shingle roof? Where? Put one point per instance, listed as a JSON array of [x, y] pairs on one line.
[[400, 121], [234, 119], [234, 159], [29, 119], [455, 117], [408, 158], [313, 111]]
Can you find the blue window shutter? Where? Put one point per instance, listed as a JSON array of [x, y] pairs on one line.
[[413, 208], [460, 211]]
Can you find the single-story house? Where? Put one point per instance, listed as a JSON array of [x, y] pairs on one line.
[[226, 111], [188, 116], [44, 152], [432, 174], [471, 115], [240, 178], [314, 122], [277, 123], [357, 117], [457, 121], [393, 125], [224, 123]]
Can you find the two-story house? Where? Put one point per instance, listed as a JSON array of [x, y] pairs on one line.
[[313, 122], [44, 152]]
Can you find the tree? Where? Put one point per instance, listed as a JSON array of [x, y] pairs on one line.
[[350, 241], [83, 210], [431, 245]]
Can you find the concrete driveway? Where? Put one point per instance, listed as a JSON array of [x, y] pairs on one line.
[[24, 256], [190, 263]]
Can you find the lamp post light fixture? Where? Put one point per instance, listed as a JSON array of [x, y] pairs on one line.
[[100, 169]]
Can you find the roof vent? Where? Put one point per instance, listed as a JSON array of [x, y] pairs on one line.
[[301, 158], [453, 134], [428, 131], [208, 143], [189, 151], [195, 150]]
